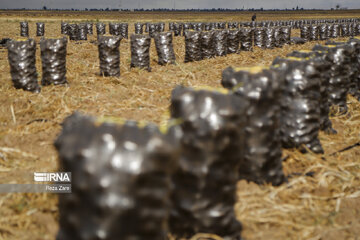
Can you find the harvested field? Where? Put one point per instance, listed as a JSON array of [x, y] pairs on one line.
[[320, 201]]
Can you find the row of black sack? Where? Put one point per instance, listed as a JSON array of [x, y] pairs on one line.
[[326, 31], [132, 180]]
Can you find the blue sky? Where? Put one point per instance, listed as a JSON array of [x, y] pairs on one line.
[[81, 4]]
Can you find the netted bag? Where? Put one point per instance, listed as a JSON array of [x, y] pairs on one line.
[[314, 33], [344, 30], [285, 34], [340, 58], [323, 32], [152, 30], [22, 61], [147, 27], [221, 25], [138, 28], [114, 29], [53, 58], [322, 64], [278, 39], [246, 39], [73, 32], [305, 32], [64, 28], [100, 29], [109, 55], [211, 152], [199, 26], [269, 38], [192, 46], [233, 41], [262, 88], [120, 180], [207, 44], [356, 77], [177, 29], [335, 31], [171, 26], [140, 51], [164, 48], [24, 29], [220, 42], [300, 120], [259, 37], [186, 27], [358, 29], [40, 29], [124, 30], [89, 28], [161, 27], [82, 31]]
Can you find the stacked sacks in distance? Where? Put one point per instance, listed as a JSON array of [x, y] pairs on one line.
[[120, 179], [300, 120], [233, 41], [40, 29], [269, 41], [211, 151], [73, 31], [100, 28], [89, 28], [262, 88], [83, 31], [114, 29], [140, 51], [164, 48], [53, 58], [356, 79], [340, 57], [207, 44], [285, 33], [322, 64], [335, 31], [124, 30], [24, 29], [64, 28], [314, 33], [138, 28], [192, 46], [177, 29], [246, 39], [109, 55], [22, 61], [259, 37], [220, 42], [305, 32]]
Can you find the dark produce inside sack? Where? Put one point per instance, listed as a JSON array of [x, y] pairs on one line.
[[114, 29], [207, 45], [120, 180], [40, 29], [24, 29], [211, 151], [138, 28], [259, 37], [305, 32], [322, 64], [220, 42], [22, 61], [246, 36], [341, 68], [262, 88], [164, 48], [109, 55], [100, 28], [82, 31], [192, 46], [89, 28], [73, 32], [140, 51], [300, 120], [65, 28], [269, 40], [53, 58], [233, 41], [124, 29]]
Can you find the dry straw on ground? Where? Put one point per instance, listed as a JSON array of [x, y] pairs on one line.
[[320, 201]]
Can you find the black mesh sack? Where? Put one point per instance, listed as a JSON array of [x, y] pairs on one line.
[[164, 48], [89, 28], [259, 37], [341, 68], [335, 31], [344, 30], [120, 180], [269, 38], [207, 45], [186, 27], [221, 25], [161, 27], [124, 30], [322, 64], [220, 42], [329, 31], [152, 30], [171, 26], [140, 51], [82, 31], [355, 89], [323, 32], [211, 152], [40, 29], [114, 29], [262, 88], [233, 41], [246, 42], [305, 32], [53, 58], [138, 28], [73, 32], [300, 120], [285, 35], [177, 29], [314, 33], [147, 26], [64, 28], [199, 26], [22, 60], [192, 46], [24, 29], [278, 39], [207, 26], [213, 26], [100, 28], [109, 55]]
